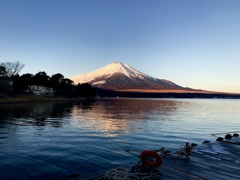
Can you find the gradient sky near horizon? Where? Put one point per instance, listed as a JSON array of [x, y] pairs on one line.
[[193, 43]]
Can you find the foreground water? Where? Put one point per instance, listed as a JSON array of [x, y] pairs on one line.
[[55, 140]]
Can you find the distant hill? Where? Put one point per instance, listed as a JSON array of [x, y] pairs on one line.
[[119, 79]]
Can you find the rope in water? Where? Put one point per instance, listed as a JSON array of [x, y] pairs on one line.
[[135, 172], [125, 174], [180, 152], [129, 151]]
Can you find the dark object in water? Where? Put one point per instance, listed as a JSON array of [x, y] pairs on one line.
[[193, 145], [167, 152], [235, 135], [228, 136], [219, 139], [205, 142]]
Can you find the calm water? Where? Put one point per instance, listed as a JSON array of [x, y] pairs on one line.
[[55, 140]]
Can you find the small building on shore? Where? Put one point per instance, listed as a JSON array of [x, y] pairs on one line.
[[41, 90], [6, 85]]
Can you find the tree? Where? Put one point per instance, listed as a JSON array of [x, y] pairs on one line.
[[67, 87], [85, 90], [11, 68], [55, 83], [41, 78], [3, 71], [56, 79], [67, 81], [22, 83]]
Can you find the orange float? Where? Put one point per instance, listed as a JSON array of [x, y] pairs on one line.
[[145, 155]]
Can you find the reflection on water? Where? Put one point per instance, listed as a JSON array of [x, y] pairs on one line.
[[35, 114], [58, 139], [112, 117], [106, 115], [121, 115]]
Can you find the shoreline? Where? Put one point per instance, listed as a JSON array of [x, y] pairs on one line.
[[35, 98]]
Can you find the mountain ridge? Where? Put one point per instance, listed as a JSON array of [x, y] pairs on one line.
[[120, 76], [110, 69]]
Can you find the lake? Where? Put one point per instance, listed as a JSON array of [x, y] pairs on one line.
[[57, 139]]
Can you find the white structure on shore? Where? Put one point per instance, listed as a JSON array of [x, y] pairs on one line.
[[41, 90]]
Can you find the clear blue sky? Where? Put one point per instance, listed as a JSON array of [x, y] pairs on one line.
[[194, 43]]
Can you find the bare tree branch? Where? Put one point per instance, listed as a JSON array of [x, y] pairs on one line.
[[12, 68]]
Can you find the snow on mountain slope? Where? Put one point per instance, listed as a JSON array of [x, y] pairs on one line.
[[120, 76], [109, 70]]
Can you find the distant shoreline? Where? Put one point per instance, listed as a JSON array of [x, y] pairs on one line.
[[34, 98], [29, 98], [175, 91], [134, 93]]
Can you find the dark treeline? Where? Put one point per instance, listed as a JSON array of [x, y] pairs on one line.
[[110, 93], [62, 86], [9, 76]]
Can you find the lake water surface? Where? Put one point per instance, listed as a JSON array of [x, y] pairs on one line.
[[55, 140]]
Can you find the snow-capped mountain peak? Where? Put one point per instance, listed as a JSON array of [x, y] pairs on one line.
[[118, 75], [109, 70]]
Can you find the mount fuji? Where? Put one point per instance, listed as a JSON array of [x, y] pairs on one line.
[[119, 76]]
